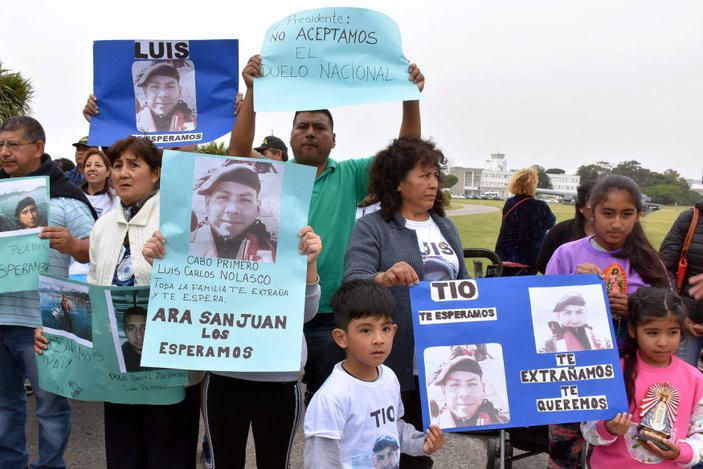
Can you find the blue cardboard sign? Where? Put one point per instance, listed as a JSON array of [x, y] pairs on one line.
[[173, 92], [230, 291], [331, 57], [516, 351]]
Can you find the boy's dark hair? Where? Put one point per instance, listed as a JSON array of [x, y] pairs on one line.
[[358, 299]]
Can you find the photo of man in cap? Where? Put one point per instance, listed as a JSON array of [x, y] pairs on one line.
[[273, 148], [386, 453], [464, 393], [232, 229], [163, 108], [571, 332]]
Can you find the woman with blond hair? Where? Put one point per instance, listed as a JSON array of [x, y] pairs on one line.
[[525, 223]]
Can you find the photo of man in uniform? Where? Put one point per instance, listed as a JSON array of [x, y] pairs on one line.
[[570, 332], [231, 229], [465, 405], [163, 109], [134, 322]]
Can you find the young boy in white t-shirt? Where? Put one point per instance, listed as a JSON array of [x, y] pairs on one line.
[[354, 420]]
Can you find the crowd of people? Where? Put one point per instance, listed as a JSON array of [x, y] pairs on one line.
[[357, 358]]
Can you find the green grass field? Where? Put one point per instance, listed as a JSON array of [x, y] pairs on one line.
[[481, 230]]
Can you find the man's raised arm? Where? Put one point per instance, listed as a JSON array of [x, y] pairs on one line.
[[411, 123], [241, 142]]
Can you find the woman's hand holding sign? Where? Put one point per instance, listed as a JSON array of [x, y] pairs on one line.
[[400, 273]]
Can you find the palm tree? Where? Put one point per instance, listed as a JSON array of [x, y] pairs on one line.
[[212, 148], [16, 92]]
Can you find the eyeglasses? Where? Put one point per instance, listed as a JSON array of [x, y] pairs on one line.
[[14, 146]]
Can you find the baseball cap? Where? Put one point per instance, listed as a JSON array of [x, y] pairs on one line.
[[83, 142], [460, 363], [235, 173], [272, 142], [157, 68]]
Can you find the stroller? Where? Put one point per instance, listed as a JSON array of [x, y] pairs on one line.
[[500, 444]]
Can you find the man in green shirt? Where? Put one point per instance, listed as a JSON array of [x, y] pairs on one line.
[[339, 187]]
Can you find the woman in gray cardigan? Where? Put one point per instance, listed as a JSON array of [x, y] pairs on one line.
[[408, 240]]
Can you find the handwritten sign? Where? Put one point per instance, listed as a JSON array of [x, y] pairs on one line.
[[89, 337], [517, 351], [332, 57], [229, 293], [175, 93], [24, 210]]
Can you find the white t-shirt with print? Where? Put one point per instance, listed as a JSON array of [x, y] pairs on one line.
[[440, 262], [358, 413]]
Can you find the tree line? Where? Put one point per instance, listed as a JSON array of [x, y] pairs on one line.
[[666, 188]]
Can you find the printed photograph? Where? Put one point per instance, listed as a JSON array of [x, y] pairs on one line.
[[164, 92], [466, 385], [236, 209], [24, 206], [384, 454], [66, 310], [127, 311], [570, 319]]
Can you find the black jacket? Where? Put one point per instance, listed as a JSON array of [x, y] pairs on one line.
[[670, 252]]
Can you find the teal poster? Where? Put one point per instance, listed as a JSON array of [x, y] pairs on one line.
[[229, 293], [331, 57], [24, 210], [95, 340]]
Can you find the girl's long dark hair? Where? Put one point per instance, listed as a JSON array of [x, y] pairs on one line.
[[637, 249], [645, 305]]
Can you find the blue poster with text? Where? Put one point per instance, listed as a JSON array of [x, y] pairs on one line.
[[331, 57], [174, 92], [229, 293], [516, 352]]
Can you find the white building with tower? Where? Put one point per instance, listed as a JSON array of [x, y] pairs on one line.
[[494, 176]]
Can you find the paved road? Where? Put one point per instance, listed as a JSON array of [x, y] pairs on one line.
[[471, 209], [86, 449]]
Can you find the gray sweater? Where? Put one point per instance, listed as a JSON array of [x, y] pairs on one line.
[[375, 245]]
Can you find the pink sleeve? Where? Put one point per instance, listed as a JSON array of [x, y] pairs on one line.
[[685, 453], [604, 433]]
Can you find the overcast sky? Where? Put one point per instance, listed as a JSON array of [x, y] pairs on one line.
[[555, 83]]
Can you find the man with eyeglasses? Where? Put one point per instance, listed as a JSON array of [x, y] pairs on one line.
[[71, 218]]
